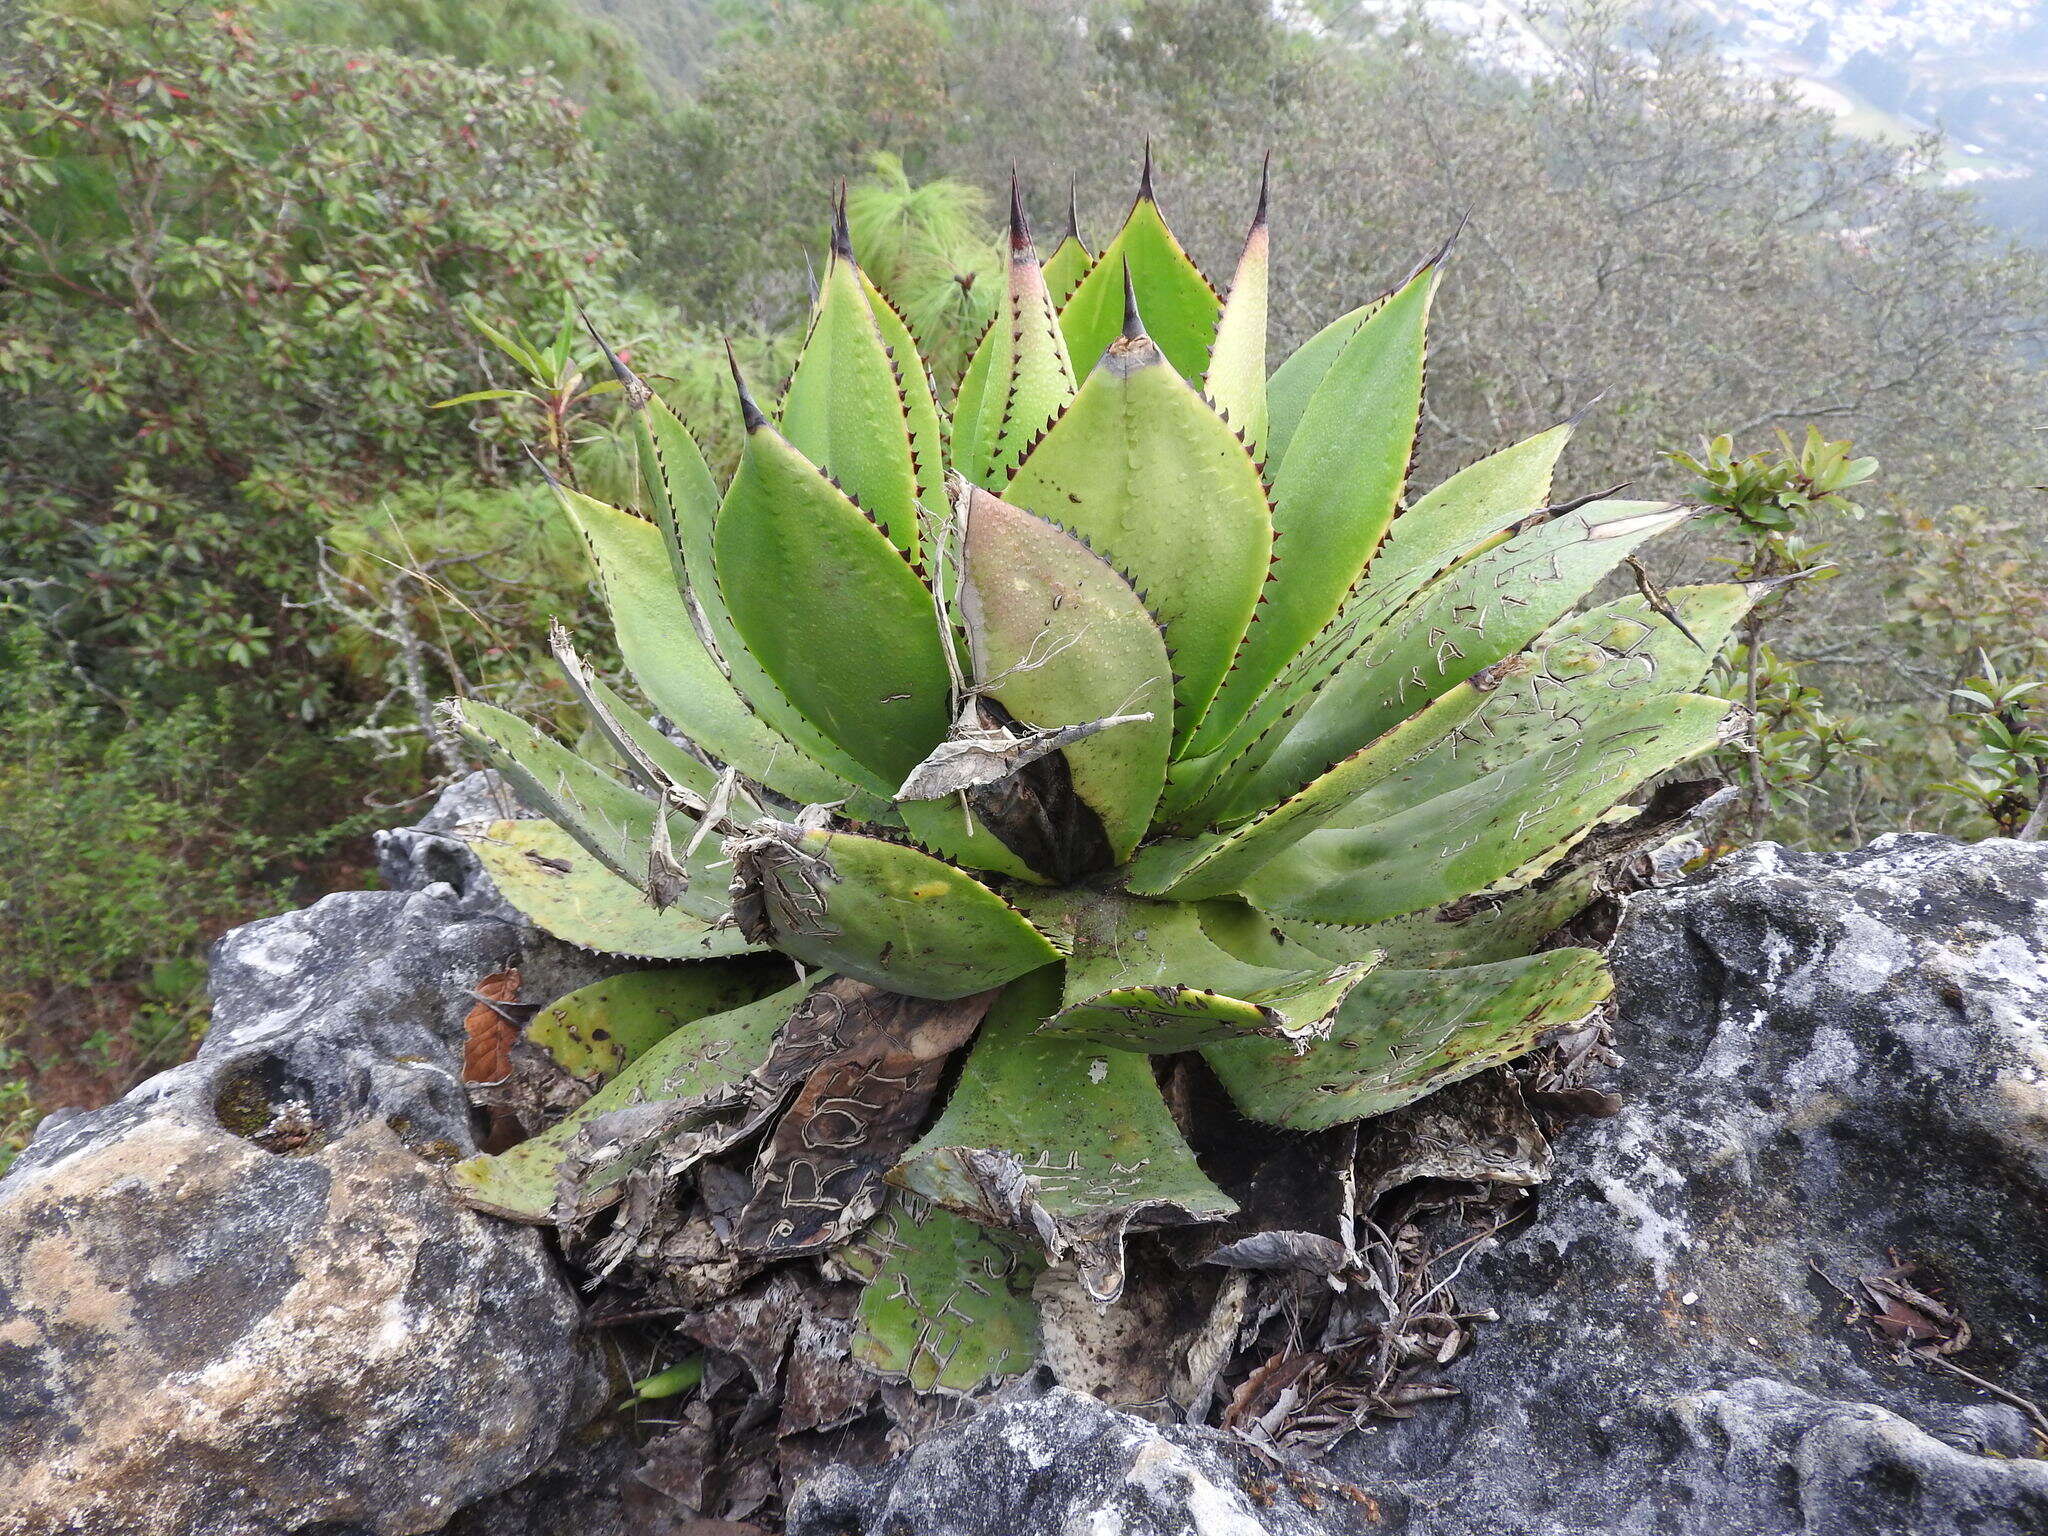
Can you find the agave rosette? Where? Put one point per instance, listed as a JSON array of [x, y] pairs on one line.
[[1124, 704]]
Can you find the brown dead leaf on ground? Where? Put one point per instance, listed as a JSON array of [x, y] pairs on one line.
[[489, 1030], [1899, 1307]]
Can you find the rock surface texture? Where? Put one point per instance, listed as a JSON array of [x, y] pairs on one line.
[[239, 1302], [1834, 1064], [1063, 1463]]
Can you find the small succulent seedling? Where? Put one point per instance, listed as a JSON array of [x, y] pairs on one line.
[[1124, 704]]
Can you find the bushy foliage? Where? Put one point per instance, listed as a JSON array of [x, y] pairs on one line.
[[586, 58], [129, 841], [1770, 504], [229, 270], [795, 102], [231, 265], [930, 249]]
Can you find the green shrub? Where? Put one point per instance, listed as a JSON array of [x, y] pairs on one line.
[[229, 269], [130, 842]]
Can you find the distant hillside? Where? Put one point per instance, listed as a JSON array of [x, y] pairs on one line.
[[674, 35], [1974, 70]]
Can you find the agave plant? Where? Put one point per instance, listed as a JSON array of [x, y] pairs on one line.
[[1125, 705]]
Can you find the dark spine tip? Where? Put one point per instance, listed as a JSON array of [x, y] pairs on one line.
[[636, 392], [1020, 227], [1435, 259], [541, 464], [842, 237], [750, 413], [1145, 193], [1265, 186], [1134, 328], [1074, 215]]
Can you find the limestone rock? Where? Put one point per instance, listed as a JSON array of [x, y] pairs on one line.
[[240, 1302], [1833, 1061], [1064, 1463]]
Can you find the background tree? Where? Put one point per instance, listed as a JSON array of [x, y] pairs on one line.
[[232, 271]]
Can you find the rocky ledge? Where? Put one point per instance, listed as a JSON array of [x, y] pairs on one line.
[[1797, 1283]]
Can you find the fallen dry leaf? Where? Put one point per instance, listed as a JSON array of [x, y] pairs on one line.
[[488, 1031]]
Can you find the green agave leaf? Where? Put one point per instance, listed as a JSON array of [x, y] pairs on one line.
[[1143, 469], [1465, 840], [951, 829], [1403, 1034], [1179, 306], [1435, 533], [920, 408], [1070, 259], [1057, 638], [705, 1055], [1163, 1018], [655, 763], [676, 673], [972, 389], [1466, 932], [553, 881], [947, 1307], [1026, 380], [597, 1031], [678, 486], [1335, 496], [1236, 382], [1475, 615], [879, 912], [1578, 673], [1069, 1147], [685, 500], [1065, 267], [1467, 509], [1517, 915], [844, 409], [614, 823], [1148, 976], [1188, 869], [831, 610], [1298, 378], [1259, 938]]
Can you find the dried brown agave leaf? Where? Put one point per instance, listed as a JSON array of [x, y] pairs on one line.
[[819, 1178], [1478, 1130]]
